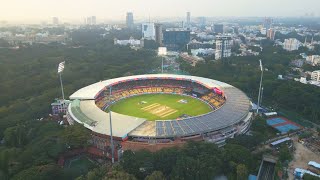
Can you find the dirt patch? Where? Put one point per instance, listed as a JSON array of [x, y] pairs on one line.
[[301, 156]]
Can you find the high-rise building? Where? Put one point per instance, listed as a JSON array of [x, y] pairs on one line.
[[314, 60], [148, 31], [159, 34], [202, 22], [315, 76], [291, 44], [267, 23], [55, 20], [271, 33], [223, 47], [89, 20], [263, 31], [218, 28], [129, 20], [93, 20], [188, 20], [176, 39]]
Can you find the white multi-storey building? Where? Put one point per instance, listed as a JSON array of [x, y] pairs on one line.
[[223, 47], [315, 76], [130, 42], [313, 60], [291, 44], [148, 31]]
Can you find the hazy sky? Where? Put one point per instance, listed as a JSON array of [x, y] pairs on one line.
[[43, 10]]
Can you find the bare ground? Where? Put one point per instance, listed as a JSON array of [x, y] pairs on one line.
[[302, 155]]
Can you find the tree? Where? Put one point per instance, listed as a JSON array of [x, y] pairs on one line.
[[236, 154], [310, 177], [76, 136], [44, 172], [116, 175], [284, 154], [156, 175], [15, 136], [242, 172]]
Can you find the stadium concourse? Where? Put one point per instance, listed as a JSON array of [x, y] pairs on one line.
[[229, 116]]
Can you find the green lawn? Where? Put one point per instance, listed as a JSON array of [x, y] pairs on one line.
[[132, 106]]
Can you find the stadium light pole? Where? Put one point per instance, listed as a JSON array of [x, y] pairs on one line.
[[261, 95], [61, 86], [261, 68], [162, 51], [162, 66], [60, 70], [110, 120]]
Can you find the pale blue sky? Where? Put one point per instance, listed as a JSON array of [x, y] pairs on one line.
[[13, 10]]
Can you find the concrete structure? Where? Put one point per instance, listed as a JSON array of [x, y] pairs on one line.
[[55, 20], [59, 106], [267, 168], [188, 20], [313, 60], [263, 31], [267, 23], [148, 31], [192, 60], [291, 44], [89, 21], [93, 20], [315, 76], [176, 39], [232, 117], [218, 28], [131, 42], [202, 22], [159, 34], [223, 47], [129, 20]]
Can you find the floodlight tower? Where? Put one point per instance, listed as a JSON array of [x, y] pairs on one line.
[[110, 120], [162, 51], [259, 96], [60, 70]]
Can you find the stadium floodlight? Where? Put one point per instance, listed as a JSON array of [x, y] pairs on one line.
[[259, 96], [162, 51], [110, 120], [60, 70]]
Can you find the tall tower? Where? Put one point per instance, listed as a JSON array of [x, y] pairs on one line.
[[218, 28], [148, 31], [55, 20], [223, 47], [188, 20], [93, 20], [129, 20], [267, 23], [159, 35]]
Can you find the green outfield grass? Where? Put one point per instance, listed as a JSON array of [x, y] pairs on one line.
[[160, 106]]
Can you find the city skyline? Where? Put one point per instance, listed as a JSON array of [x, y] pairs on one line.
[[72, 10]]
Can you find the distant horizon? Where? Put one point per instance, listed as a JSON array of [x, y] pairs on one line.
[[36, 11], [63, 20]]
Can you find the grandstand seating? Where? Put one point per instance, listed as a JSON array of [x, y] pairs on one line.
[[131, 88]]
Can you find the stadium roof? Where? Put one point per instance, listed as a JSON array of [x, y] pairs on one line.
[[87, 113], [89, 92], [84, 110]]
